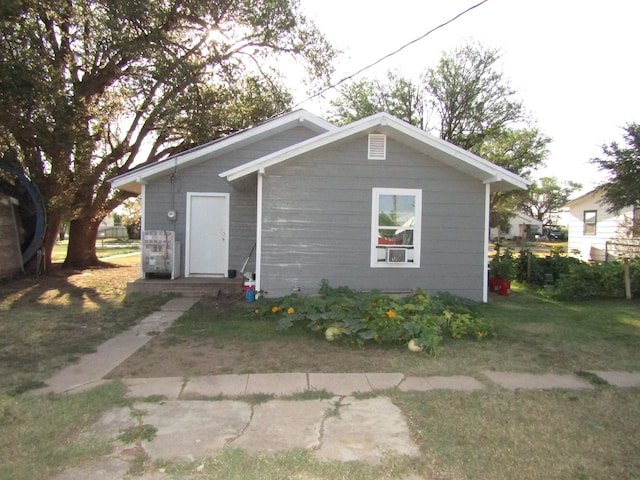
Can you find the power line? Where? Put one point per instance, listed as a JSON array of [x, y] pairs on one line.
[[381, 59]]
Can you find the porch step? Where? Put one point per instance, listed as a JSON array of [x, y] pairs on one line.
[[188, 287]]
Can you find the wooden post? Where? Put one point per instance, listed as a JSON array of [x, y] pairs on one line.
[[627, 278]]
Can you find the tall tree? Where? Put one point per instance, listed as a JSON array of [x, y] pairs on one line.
[[547, 196], [397, 95], [88, 87], [476, 109], [622, 164], [472, 99]]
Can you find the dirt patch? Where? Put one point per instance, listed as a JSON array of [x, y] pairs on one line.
[[171, 356]]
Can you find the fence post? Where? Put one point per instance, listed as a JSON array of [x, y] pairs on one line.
[[627, 278]]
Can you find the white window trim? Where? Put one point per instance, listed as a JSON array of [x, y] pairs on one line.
[[417, 229], [594, 223]]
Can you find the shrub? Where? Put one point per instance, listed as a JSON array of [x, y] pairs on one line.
[[599, 280], [537, 271], [343, 314], [502, 265]]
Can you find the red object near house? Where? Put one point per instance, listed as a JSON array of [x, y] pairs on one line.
[[505, 288]]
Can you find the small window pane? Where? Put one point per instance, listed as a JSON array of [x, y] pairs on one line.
[[393, 236], [397, 210], [590, 221]]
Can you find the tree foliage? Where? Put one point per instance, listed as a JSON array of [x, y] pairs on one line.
[[131, 217], [547, 196], [397, 95], [473, 101], [475, 107], [622, 164], [467, 96], [88, 87]]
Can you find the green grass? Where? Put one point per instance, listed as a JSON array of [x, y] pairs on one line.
[[488, 434], [497, 434], [104, 248], [40, 434], [47, 322], [533, 335], [235, 464]]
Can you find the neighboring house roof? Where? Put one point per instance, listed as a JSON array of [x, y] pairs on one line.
[[528, 218], [131, 180], [595, 194], [434, 147]]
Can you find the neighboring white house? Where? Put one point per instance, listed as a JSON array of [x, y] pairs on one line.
[[592, 228], [522, 225], [108, 228]]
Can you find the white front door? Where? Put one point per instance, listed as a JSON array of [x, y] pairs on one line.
[[207, 250]]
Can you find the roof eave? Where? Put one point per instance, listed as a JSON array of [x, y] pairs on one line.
[[500, 178], [141, 174]]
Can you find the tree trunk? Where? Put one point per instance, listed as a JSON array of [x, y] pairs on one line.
[[82, 244], [50, 237]]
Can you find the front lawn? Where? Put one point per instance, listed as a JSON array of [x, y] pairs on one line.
[[491, 434], [532, 335]]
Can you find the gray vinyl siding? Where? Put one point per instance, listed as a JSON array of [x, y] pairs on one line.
[[204, 177], [317, 222]]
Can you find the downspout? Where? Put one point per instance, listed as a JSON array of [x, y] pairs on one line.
[[143, 216], [487, 211], [259, 232]]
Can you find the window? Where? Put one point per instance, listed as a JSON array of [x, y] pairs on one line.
[[590, 220], [395, 227], [377, 146]]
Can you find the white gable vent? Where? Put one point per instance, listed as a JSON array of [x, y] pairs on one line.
[[377, 146]]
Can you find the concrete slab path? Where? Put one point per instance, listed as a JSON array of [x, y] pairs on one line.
[[619, 379], [91, 368], [288, 384], [548, 381]]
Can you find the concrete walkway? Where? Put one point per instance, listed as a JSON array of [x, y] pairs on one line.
[[91, 369], [333, 426]]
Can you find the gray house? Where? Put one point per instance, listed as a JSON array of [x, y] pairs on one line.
[[376, 204]]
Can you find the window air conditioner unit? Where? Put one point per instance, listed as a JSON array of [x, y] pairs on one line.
[[397, 255]]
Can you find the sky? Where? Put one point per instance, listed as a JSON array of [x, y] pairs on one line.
[[574, 64]]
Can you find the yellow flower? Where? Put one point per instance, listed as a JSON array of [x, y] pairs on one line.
[[391, 313], [275, 309], [481, 334], [257, 311], [376, 337], [290, 310]]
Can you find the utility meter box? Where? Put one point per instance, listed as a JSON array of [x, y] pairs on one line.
[[160, 254]]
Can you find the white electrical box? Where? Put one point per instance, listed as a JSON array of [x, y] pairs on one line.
[[160, 254]]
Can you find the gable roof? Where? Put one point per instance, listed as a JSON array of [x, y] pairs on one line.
[[132, 180], [593, 195], [528, 218], [436, 148]]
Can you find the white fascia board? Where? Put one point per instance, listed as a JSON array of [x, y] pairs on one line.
[[593, 194], [491, 173], [232, 141], [495, 172], [303, 147]]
